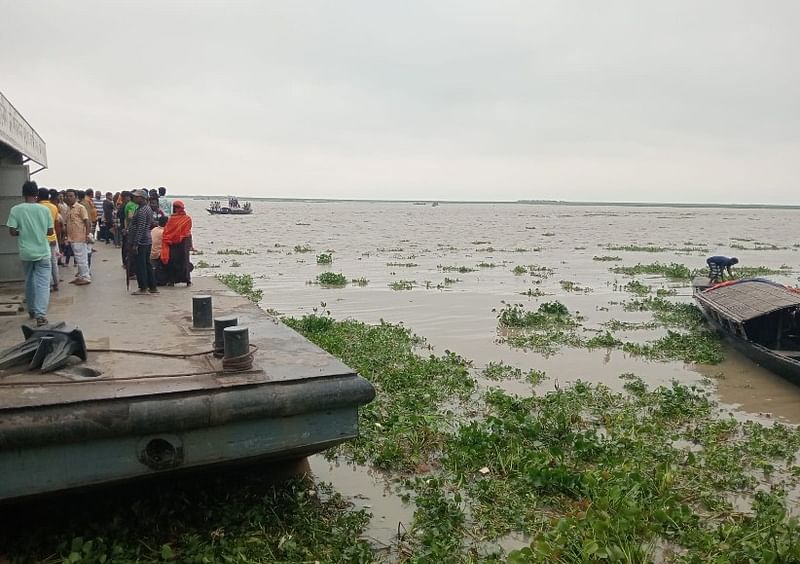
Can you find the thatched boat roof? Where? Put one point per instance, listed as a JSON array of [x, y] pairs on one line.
[[748, 299]]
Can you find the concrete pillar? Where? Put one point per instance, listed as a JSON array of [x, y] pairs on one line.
[[13, 174]]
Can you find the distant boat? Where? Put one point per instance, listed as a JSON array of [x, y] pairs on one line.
[[233, 208]]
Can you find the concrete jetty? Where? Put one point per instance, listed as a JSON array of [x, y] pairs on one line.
[[123, 414]]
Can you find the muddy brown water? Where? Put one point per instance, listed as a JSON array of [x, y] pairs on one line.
[[389, 242]]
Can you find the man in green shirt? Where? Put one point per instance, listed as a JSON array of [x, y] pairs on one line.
[[32, 223]]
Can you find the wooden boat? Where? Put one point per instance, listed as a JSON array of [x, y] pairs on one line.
[[233, 208], [759, 318]]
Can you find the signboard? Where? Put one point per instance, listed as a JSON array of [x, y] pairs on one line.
[[19, 135]]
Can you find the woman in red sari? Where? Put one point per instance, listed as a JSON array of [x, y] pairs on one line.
[[176, 244]]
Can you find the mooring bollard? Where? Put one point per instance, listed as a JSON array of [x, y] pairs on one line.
[[220, 323], [237, 341], [201, 312]]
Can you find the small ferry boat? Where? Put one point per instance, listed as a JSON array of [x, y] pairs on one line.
[[758, 317], [233, 208]]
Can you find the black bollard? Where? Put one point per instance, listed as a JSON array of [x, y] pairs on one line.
[[201, 312], [220, 323], [237, 341]]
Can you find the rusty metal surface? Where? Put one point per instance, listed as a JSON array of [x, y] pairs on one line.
[[112, 319], [748, 299]]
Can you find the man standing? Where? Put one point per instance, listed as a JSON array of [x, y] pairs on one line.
[[79, 228], [163, 202], [33, 223], [141, 243], [108, 216], [44, 199]]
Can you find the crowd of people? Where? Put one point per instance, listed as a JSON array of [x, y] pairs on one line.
[[54, 226]]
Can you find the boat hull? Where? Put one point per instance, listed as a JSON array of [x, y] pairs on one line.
[[228, 211], [781, 365]]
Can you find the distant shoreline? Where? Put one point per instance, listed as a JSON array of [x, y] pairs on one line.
[[507, 202]]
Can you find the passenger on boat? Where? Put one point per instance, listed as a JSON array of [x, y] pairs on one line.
[[717, 266]]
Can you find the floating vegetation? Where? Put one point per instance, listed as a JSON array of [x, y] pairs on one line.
[[402, 264], [757, 246], [533, 293], [617, 325], [638, 248], [570, 286], [486, 250], [459, 269], [752, 271], [673, 314], [486, 265], [534, 270], [332, 279], [203, 264], [550, 315], [303, 249], [636, 287], [700, 346], [404, 426], [481, 242], [606, 258], [236, 252], [661, 292], [359, 281], [548, 234], [503, 371], [242, 284], [325, 258], [390, 249], [673, 271], [235, 264], [402, 285]]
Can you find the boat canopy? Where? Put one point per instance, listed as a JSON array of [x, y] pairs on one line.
[[744, 300]]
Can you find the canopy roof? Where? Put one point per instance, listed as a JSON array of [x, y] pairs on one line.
[[17, 133], [748, 299]]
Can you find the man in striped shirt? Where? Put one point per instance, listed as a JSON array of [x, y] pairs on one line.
[[140, 244]]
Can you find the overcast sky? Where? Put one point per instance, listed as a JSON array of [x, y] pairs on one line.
[[695, 101]]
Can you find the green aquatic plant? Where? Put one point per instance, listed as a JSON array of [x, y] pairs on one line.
[[519, 270], [486, 265], [236, 252], [755, 271], [405, 426], [570, 286], [533, 293], [303, 249], [402, 264], [548, 315], [606, 258], [636, 287], [698, 346], [459, 269], [359, 281], [332, 279], [502, 371], [673, 271], [402, 285], [235, 264], [325, 258], [242, 284], [666, 312]]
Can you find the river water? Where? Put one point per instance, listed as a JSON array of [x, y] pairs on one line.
[[390, 242]]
